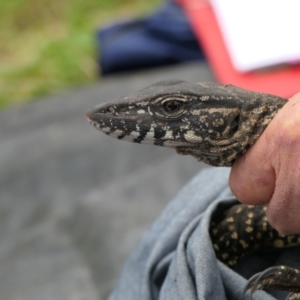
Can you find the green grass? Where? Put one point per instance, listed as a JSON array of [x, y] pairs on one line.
[[49, 45]]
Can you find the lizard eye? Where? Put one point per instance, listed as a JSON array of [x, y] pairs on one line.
[[172, 107]]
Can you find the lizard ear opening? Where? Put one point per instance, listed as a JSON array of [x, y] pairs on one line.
[[235, 125]]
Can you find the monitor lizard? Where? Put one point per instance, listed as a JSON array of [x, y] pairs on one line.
[[216, 124]]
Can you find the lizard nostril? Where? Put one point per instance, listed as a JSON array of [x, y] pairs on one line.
[[110, 109]]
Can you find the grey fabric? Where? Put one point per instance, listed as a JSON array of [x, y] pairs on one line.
[[175, 259]]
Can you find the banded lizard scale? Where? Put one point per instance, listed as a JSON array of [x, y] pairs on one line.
[[216, 124]]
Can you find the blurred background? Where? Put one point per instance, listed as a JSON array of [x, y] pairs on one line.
[[50, 45], [74, 202]]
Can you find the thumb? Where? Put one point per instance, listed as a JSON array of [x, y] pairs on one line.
[[252, 178]]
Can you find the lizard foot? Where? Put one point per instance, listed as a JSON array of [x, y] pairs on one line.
[[278, 278]]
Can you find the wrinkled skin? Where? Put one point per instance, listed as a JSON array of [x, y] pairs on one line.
[[269, 172]]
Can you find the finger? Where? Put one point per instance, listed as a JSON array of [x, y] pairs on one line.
[[270, 170], [284, 206], [252, 177]]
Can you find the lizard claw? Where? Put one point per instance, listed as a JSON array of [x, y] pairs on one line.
[[278, 278], [259, 281], [293, 296]]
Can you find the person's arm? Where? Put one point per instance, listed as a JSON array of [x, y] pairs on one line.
[[269, 172]]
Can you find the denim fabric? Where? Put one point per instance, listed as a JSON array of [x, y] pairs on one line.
[[175, 259]]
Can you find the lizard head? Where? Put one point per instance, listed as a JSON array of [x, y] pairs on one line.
[[212, 122]]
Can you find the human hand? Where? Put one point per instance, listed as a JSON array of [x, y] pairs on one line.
[[269, 172]]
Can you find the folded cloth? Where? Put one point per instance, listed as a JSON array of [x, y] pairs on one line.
[[175, 259], [163, 38]]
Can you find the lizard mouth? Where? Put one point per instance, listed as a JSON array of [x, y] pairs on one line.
[[91, 115], [188, 151], [92, 122], [97, 125], [97, 120]]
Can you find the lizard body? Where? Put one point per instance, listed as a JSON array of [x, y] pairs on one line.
[[216, 124]]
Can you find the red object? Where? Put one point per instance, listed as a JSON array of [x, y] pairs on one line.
[[284, 82]]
